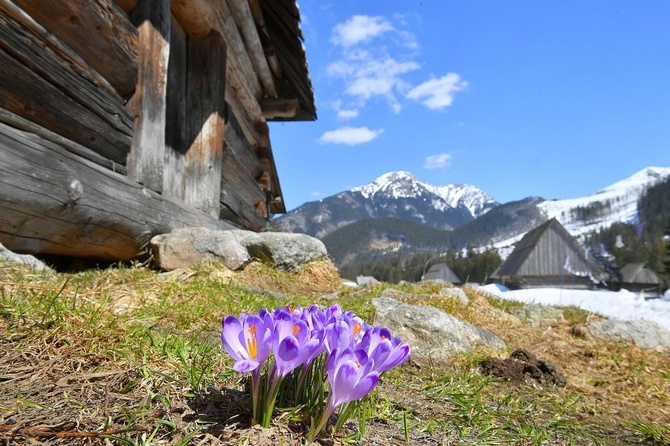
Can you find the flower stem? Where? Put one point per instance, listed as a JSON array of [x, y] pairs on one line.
[[270, 401], [314, 431]]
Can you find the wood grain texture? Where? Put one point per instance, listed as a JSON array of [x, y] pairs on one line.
[[98, 30], [54, 202], [205, 111], [147, 157]]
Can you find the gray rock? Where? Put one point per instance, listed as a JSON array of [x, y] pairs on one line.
[[185, 247], [539, 316], [455, 293], [430, 331], [643, 333], [286, 251], [24, 259]]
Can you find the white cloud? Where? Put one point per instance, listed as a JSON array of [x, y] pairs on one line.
[[350, 136], [344, 114], [371, 76], [439, 161], [347, 114], [358, 29], [438, 94], [316, 194]]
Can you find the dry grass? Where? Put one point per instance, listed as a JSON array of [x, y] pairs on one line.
[[131, 356]]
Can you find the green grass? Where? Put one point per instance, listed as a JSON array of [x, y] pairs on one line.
[[169, 381]]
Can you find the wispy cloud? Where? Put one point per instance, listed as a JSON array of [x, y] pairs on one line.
[[376, 61], [360, 28], [438, 94], [350, 136], [439, 161]]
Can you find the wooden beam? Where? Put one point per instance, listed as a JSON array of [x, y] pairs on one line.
[[147, 157], [18, 122], [205, 111], [245, 23], [126, 5], [194, 16], [97, 30], [280, 108], [240, 69], [64, 101], [54, 202], [175, 132]]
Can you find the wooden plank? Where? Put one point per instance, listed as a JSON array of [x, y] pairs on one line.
[[18, 122], [54, 202], [194, 16], [239, 61], [126, 5], [175, 132], [274, 108], [245, 23], [205, 111], [147, 156], [97, 30], [25, 93]]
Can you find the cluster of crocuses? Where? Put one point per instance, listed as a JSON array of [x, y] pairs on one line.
[[351, 353]]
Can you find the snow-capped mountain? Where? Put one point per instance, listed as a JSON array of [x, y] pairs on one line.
[[395, 194], [397, 185], [616, 203]]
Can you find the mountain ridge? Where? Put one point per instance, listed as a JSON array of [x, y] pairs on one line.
[[470, 215]]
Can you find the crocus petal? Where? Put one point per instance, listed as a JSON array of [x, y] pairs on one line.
[[364, 386], [246, 365], [230, 337]]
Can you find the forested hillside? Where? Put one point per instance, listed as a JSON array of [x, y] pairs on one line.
[[642, 241]]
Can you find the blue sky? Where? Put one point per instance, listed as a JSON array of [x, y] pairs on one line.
[[556, 99]]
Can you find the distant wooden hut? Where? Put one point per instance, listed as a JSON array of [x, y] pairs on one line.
[[441, 271], [638, 277], [123, 119], [548, 256]]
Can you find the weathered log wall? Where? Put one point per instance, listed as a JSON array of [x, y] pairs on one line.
[[55, 202], [172, 93], [45, 82]]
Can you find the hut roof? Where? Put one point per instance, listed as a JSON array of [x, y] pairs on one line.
[[548, 250], [639, 273], [282, 19], [440, 271]]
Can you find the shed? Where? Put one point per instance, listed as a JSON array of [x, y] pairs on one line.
[[441, 271], [549, 256], [638, 277], [124, 119]]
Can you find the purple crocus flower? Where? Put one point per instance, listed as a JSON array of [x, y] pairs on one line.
[[247, 339], [345, 331], [385, 351], [293, 344], [351, 377]]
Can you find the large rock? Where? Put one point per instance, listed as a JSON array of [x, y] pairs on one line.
[[24, 259], [430, 331], [641, 332], [286, 251], [185, 247]]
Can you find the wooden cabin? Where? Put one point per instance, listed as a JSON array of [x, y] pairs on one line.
[[441, 272], [123, 119], [638, 277], [548, 256]]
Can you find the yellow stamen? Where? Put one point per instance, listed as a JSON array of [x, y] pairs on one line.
[[296, 329], [252, 344], [357, 328]]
